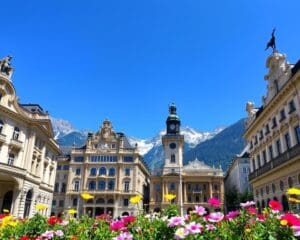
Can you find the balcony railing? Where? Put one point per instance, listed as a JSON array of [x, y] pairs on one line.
[[2, 138], [278, 161], [16, 143]]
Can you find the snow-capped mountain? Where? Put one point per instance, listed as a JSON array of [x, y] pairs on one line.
[[191, 136], [61, 127]]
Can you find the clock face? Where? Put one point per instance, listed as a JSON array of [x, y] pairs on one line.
[[172, 145], [172, 126]]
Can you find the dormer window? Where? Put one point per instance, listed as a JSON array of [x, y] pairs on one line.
[[16, 133]]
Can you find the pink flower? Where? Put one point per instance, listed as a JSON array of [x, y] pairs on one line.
[[215, 217], [214, 202], [181, 233], [275, 205], [59, 233], [124, 236], [128, 219], [232, 215], [117, 225], [247, 204], [252, 210], [175, 221], [291, 219], [296, 231], [48, 234], [200, 210], [210, 227], [193, 227], [261, 217]]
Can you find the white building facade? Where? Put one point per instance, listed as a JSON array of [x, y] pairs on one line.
[[27, 151]]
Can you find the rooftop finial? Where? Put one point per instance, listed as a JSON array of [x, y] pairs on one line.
[[5, 66], [272, 42], [172, 108]]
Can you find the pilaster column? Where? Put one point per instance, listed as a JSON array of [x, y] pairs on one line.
[[210, 189]]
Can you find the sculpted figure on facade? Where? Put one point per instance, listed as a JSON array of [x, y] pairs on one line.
[[5, 66], [251, 109]]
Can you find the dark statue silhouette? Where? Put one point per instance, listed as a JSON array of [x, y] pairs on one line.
[[272, 42]]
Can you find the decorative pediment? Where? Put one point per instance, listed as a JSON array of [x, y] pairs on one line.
[[196, 164]]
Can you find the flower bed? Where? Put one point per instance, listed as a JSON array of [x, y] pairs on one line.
[[245, 223]]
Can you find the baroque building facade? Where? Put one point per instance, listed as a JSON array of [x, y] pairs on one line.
[[27, 151], [193, 184], [109, 168], [273, 133]]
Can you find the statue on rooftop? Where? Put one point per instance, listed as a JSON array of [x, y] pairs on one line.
[[5, 66], [272, 42]]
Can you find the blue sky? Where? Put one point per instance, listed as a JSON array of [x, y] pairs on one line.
[[85, 61]]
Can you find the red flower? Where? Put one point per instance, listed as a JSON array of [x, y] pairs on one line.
[[275, 205], [2, 215], [25, 237], [261, 217], [53, 220], [117, 225], [214, 202], [291, 219]]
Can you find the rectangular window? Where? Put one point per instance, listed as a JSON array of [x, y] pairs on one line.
[[126, 186], [61, 203], [292, 106], [278, 146], [264, 157], [65, 167], [78, 159], [258, 160], [255, 140], [287, 140], [297, 133], [54, 203], [76, 186], [77, 171], [127, 171], [261, 135], [244, 170], [58, 167], [274, 122], [75, 201], [128, 159], [282, 115], [271, 152], [253, 164], [125, 202], [267, 129]]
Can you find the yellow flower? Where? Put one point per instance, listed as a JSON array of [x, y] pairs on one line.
[[5, 210], [86, 196], [283, 222], [6, 220], [72, 211], [136, 199], [13, 223], [293, 191], [294, 200], [247, 230], [41, 206], [170, 197]]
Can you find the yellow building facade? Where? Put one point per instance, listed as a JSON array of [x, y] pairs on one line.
[[273, 134]]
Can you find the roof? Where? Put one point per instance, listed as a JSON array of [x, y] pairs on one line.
[[296, 68], [199, 165], [33, 108]]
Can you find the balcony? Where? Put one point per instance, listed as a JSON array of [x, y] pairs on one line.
[[16, 143], [278, 161]]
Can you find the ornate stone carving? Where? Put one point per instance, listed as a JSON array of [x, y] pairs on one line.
[[5, 66], [251, 109]]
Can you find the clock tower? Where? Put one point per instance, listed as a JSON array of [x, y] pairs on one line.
[[173, 143]]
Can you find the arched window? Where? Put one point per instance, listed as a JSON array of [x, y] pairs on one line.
[[100, 201], [102, 171], [263, 205], [111, 185], [101, 185], [93, 171], [290, 182], [173, 159], [126, 186], [1, 126], [92, 185], [112, 172], [16, 133], [11, 159], [28, 200]]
